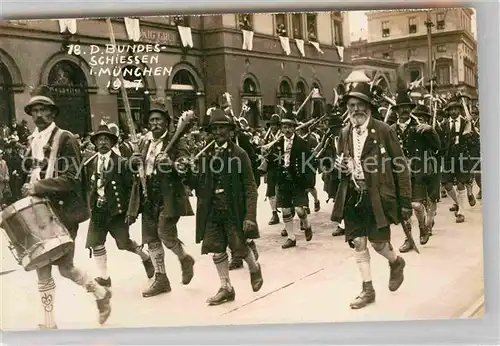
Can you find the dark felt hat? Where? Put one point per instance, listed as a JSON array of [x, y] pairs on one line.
[[104, 130], [218, 117], [288, 119]]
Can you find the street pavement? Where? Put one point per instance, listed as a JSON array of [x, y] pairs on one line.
[[313, 282]]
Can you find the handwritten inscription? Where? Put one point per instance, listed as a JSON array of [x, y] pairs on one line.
[[111, 59]]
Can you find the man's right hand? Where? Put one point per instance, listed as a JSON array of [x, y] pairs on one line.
[[130, 219]]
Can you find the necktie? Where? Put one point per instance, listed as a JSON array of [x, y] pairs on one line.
[[101, 169]]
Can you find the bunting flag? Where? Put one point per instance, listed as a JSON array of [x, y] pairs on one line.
[[285, 44], [186, 36], [300, 46], [247, 39], [133, 29], [316, 45], [67, 25], [340, 51]]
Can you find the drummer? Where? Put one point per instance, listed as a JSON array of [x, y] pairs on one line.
[[53, 162]]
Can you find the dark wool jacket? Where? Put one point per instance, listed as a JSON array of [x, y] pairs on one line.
[[239, 185], [387, 175]]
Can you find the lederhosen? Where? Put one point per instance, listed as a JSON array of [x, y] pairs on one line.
[[221, 230]]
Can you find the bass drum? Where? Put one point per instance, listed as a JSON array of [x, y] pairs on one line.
[[37, 236]]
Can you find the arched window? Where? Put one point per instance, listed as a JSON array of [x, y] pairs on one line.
[[138, 98], [184, 95], [183, 80], [285, 89], [7, 115], [249, 86], [286, 96], [299, 98], [68, 84]]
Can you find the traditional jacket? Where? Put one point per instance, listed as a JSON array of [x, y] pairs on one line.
[[170, 184], [63, 187], [420, 147], [385, 170], [117, 185], [239, 185], [302, 174], [465, 141]]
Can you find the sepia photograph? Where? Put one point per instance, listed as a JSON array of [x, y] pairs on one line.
[[240, 169]]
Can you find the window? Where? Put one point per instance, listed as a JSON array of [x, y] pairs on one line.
[[470, 78], [183, 80], [178, 20], [297, 26], [440, 21], [414, 74], [249, 86], [299, 98], [312, 27], [7, 114], [245, 21], [337, 32], [443, 74], [281, 25], [412, 25], [285, 89], [385, 29], [441, 48], [386, 55]]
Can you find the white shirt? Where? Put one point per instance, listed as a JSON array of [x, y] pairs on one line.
[[40, 139], [358, 144], [456, 129], [288, 142], [404, 125], [222, 147], [107, 156], [153, 151]]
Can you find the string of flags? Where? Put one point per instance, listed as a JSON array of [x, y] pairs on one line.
[[132, 26]]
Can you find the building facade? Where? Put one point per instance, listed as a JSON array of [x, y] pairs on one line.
[[401, 37], [261, 60]]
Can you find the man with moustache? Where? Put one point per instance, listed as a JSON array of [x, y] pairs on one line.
[[63, 188], [109, 182], [420, 144], [292, 158], [226, 213], [166, 199], [457, 164], [375, 189]]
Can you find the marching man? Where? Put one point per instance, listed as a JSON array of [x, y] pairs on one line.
[[227, 206], [110, 180], [53, 178], [289, 157], [166, 200], [374, 191]]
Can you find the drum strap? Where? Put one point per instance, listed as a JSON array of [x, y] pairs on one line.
[[51, 169]]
